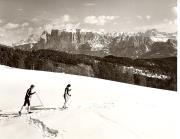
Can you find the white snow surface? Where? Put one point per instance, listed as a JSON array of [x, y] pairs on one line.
[[97, 109], [159, 39]]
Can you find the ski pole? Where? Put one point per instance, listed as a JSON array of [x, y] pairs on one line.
[[39, 99]]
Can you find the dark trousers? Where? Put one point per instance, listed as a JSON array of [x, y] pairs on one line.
[[26, 101]]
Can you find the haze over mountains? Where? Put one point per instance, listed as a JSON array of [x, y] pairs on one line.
[[149, 44]]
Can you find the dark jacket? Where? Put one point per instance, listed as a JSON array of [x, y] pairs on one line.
[[28, 93], [66, 92]]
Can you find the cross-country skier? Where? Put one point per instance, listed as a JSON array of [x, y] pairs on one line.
[[27, 99], [66, 95]]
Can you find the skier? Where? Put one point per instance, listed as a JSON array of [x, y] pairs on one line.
[[27, 99], [66, 95]]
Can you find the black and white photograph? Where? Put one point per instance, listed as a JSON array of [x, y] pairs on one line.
[[89, 69]]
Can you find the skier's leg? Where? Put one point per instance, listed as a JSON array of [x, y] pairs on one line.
[[28, 102], [22, 107], [65, 101], [64, 106]]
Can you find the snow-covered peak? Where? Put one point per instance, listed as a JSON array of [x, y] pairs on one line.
[[157, 36], [33, 38], [151, 32]]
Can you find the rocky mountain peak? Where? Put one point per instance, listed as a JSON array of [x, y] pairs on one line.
[[101, 44]]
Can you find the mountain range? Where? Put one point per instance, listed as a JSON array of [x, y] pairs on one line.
[[148, 44]]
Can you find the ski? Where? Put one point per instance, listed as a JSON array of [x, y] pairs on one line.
[[19, 113]]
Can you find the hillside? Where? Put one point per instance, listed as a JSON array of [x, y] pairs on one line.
[[96, 109], [156, 72]]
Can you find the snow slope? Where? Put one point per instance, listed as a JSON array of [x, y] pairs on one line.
[[97, 108]]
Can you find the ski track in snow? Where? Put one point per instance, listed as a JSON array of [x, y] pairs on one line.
[[43, 128], [46, 131]]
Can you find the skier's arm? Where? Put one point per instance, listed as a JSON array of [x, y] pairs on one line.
[[68, 94], [32, 93], [29, 92]]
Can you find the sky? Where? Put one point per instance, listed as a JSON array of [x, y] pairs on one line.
[[21, 18]]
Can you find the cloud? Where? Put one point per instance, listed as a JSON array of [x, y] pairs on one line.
[[166, 26], [30, 30], [139, 17], [99, 20], [115, 23], [25, 24], [1, 35], [170, 22], [91, 20], [148, 17], [68, 26], [174, 10], [20, 9], [89, 4], [11, 26], [165, 20], [2, 31], [42, 18], [128, 22], [71, 26], [48, 27], [63, 22], [66, 18], [63, 19], [35, 19]]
